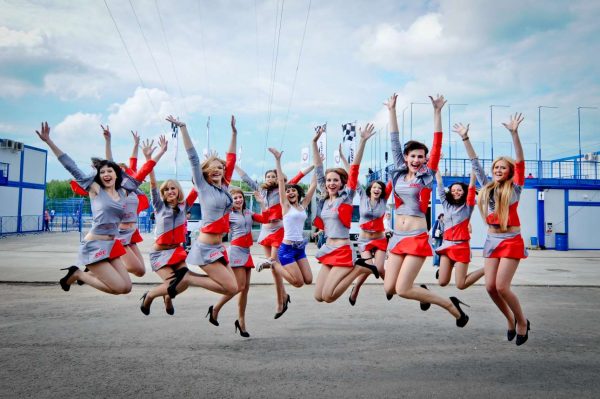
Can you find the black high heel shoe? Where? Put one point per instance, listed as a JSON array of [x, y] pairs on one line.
[[145, 309], [510, 334], [178, 275], [363, 262], [212, 320], [389, 296], [424, 305], [521, 339], [242, 332], [352, 301], [169, 309], [285, 308], [463, 319], [63, 281]]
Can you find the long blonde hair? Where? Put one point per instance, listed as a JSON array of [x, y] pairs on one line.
[[503, 193], [206, 168], [164, 185]]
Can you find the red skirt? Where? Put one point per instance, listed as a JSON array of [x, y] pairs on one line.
[[342, 256], [456, 251], [414, 242]]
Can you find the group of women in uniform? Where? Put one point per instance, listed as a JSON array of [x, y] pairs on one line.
[[109, 251]]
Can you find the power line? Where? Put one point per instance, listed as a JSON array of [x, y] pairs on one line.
[[130, 57], [295, 76]]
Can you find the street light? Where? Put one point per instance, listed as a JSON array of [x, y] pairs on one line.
[[449, 145], [411, 107], [579, 132], [539, 151], [492, 126], [405, 108]]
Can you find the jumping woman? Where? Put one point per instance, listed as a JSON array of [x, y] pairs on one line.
[[108, 188], [504, 247], [409, 246], [271, 233], [334, 216], [455, 250]]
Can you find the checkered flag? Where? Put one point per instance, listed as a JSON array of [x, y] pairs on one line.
[[322, 142], [175, 130], [324, 127], [349, 130]]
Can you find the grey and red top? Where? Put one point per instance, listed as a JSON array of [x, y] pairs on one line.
[[240, 226], [457, 217], [518, 182], [412, 197], [171, 224], [335, 216], [273, 211], [136, 201], [371, 216], [106, 212], [215, 202]]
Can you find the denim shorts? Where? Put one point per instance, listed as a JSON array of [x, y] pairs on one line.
[[291, 253]]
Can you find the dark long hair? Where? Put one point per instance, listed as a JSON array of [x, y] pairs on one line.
[[100, 163], [381, 184], [462, 199]]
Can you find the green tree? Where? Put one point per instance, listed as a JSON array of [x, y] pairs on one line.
[[56, 189]]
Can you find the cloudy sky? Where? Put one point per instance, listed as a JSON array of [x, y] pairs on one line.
[[66, 62]]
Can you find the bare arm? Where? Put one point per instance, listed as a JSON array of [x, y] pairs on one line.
[[308, 170], [187, 141], [136, 144], [343, 158], [311, 191], [107, 142], [463, 132], [233, 142], [513, 128], [280, 179], [147, 151], [391, 106], [394, 132], [364, 136], [244, 176], [317, 161]]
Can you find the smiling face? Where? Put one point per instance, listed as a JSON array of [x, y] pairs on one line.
[[501, 170], [238, 201], [291, 194], [415, 159], [108, 176], [456, 191], [170, 193], [333, 183], [215, 171], [376, 191], [270, 177]]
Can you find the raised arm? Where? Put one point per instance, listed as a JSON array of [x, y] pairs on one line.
[[280, 178], [471, 194], [134, 153], [147, 150], [197, 175], [187, 141], [230, 157], [436, 148], [365, 135], [107, 142], [310, 192], [343, 158], [296, 179], [317, 161], [463, 132], [394, 132], [440, 187], [244, 176], [513, 128], [44, 135]]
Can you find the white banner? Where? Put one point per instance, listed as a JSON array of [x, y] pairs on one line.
[[304, 156], [322, 146], [337, 159]]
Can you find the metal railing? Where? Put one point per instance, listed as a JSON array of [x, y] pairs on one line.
[[21, 224]]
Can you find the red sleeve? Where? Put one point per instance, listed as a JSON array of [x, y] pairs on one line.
[[229, 166], [260, 217], [353, 177], [297, 178], [519, 177], [145, 170], [191, 197], [77, 189], [436, 151], [388, 189], [133, 164], [471, 196]]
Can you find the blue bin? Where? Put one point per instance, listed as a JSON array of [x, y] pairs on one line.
[[561, 242], [534, 241]]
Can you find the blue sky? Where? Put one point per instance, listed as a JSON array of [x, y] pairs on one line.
[[64, 62]]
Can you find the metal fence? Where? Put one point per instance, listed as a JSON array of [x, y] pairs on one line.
[[21, 224]]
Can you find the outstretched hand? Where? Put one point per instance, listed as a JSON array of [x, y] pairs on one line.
[[276, 154], [438, 102], [162, 144], [233, 128], [148, 148], [259, 198], [136, 138], [391, 103], [368, 132], [318, 134], [45, 134], [174, 121], [105, 132], [461, 130], [515, 121]]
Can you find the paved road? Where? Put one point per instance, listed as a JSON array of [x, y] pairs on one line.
[[86, 344]]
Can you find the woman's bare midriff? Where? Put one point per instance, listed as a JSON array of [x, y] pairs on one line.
[[371, 235], [408, 223], [337, 242], [210, 238], [98, 237], [509, 229], [272, 224], [127, 226], [164, 247]]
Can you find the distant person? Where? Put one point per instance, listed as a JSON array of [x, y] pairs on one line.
[[46, 220], [530, 176], [52, 214]]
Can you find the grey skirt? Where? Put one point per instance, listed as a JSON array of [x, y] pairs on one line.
[[202, 254]]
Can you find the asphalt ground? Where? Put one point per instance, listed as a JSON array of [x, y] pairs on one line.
[[88, 344]]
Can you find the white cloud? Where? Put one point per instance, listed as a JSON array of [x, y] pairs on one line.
[[22, 39]]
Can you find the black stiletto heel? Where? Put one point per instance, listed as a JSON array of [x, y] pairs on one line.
[[363, 262], [178, 275], [63, 281], [145, 309], [463, 319], [285, 307], [424, 305], [352, 301], [242, 332], [389, 296], [212, 320], [521, 339], [510, 334]]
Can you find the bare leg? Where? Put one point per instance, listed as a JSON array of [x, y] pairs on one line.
[[338, 280], [279, 287], [406, 289], [464, 280], [165, 274], [392, 270], [506, 272], [291, 273], [305, 270], [240, 277], [445, 271], [132, 262], [222, 275], [136, 250], [108, 276], [243, 300], [321, 278], [490, 267]]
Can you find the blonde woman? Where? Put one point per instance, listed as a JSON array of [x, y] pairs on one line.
[[504, 247]]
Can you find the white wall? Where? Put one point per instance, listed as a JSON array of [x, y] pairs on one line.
[[14, 160], [32, 202], [528, 214], [34, 166], [554, 212], [9, 198], [583, 227]]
